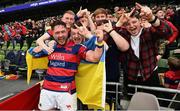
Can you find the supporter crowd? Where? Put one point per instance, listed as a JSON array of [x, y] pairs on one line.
[[29, 30]]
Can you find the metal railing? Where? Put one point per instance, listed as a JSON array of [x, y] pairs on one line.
[[167, 90], [118, 92]]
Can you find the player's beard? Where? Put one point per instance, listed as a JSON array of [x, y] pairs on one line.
[[61, 40]]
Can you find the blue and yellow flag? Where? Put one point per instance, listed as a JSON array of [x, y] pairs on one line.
[[35, 63], [90, 83]]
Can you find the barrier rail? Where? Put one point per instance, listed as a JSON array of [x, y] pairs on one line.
[[117, 91], [175, 91]]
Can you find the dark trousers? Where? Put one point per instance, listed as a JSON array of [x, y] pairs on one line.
[[13, 43], [81, 106], [29, 41], [20, 41], [153, 80]]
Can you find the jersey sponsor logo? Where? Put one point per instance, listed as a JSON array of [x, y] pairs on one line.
[[57, 56], [57, 64]]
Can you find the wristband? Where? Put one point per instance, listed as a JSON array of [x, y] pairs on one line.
[[153, 21], [99, 45], [110, 31]]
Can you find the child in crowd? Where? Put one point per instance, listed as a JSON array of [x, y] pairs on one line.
[[172, 77]]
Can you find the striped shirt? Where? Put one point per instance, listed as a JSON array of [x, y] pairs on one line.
[[62, 66]]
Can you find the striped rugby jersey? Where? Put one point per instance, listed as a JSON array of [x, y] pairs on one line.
[[62, 66]]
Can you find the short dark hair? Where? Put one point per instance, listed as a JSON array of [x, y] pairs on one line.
[[157, 10], [109, 12], [57, 22], [174, 63]]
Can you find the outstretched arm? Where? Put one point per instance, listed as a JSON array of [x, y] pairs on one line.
[[95, 55], [37, 51], [162, 29], [40, 42], [92, 55], [121, 43]]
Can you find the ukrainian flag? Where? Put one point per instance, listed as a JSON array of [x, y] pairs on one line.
[[90, 83], [34, 63], [91, 80]]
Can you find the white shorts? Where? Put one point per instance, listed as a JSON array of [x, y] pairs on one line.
[[60, 100]]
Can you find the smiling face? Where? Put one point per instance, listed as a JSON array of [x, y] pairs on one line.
[[160, 14], [133, 26], [68, 19], [75, 36], [60, 34]]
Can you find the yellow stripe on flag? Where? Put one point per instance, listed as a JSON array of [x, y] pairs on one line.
[[35, 63]]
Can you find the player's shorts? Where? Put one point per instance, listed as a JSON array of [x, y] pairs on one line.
[[57, 100]]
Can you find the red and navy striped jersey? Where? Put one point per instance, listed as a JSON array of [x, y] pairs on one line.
[[62, 66], [172, 78]]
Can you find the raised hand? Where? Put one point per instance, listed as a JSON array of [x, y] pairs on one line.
[[108, 26], [81, 12], [87, 13], [124, 18], [83, 31], [146, 12], [49, 50]]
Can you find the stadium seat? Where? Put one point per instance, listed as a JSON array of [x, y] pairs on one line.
[[175, 53], [162, 65], [143, 101]]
